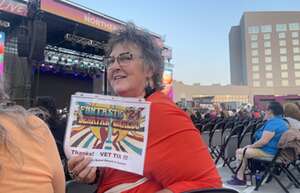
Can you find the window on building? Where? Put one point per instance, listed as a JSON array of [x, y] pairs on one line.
[[284, 75], [255, 76], [297, 82], [254, 60], [267, 44], [269, 83], [254, 37], [268, 59], [295, 42], [283, 59], [296, 57], [296, 50], [268, 67], [284, 83], [256, 84], [281, 35], [283, 66], [297, 74], [294, 26], [254, 52], [269, 75], [297, 66], [253, 29], [281, 27], [267, 36], [266, 28], [255, 68], [295, 34], [282, 43], [282, 50], [254, 45], [268, 52]]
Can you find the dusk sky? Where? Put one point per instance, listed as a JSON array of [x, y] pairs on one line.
[[196, 30]]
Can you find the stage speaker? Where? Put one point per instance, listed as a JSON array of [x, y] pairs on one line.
[[38, 40], [23, 41]]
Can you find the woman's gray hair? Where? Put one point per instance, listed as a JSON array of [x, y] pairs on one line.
[[150, 50]]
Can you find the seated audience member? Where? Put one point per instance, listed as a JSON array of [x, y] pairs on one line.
[[29, 160], [266, 140], [292, 115]]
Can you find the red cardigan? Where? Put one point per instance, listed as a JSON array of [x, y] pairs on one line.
[[176, 156]]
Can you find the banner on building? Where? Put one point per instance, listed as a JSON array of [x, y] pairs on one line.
[[168, 83], [14, 7]]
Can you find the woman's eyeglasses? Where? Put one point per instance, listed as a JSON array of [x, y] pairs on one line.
[[122, 59]]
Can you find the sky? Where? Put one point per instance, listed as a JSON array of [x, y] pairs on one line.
[[196, 30]]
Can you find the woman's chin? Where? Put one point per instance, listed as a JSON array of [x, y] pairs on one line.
[[121, 92]]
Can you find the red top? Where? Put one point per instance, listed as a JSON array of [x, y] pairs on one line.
[[176, 156]]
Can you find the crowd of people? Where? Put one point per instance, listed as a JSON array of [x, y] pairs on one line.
[[30, 160]]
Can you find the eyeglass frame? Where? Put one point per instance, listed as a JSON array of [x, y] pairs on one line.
[[119, 59]]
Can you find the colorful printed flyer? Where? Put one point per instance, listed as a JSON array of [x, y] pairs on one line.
[[112, 130]]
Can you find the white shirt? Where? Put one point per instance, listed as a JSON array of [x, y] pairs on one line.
[[293, 123]]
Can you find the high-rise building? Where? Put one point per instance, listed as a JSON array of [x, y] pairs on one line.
[[265, 50]]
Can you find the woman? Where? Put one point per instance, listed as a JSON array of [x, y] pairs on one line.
[[266, 140], [29, 160], [177, 159], [292, 115]]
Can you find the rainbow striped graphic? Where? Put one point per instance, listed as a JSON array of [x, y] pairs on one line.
[[2, 39]]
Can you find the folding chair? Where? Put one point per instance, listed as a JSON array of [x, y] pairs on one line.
[[226, 130], [214, 190], [75, 187], [215, 138], [199, 126], [246, 136], [270, 167], [208, 126], [229, 148]]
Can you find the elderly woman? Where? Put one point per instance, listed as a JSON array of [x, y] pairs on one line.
[[29, 160], [292, 115], [177, 159], [266, 140]]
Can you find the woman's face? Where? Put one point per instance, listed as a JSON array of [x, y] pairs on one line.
[[126, 72]]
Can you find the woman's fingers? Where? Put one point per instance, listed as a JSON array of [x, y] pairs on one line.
[[72, 162], [87, 175], [90, 176], [80, 171], [81, 165]]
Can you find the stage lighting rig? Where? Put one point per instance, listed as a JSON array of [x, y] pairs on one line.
[[84, 41]]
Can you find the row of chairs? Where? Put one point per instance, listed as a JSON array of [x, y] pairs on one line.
[[223, 139]]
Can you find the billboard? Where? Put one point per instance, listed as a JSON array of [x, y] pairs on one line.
[[2, 40], [72, 12], [13, 7], [168, 83]]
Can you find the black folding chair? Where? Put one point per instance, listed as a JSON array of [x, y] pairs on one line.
[[246, 136], [214, 190], [229, 147], [271, 165], [215, 138], [75, 187]]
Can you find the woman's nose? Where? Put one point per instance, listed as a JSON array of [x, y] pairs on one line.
[[115, 64]]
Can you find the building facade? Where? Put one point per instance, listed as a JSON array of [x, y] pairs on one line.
[[265, 50]]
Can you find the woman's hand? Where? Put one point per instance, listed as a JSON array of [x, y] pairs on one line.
[[80, 171]]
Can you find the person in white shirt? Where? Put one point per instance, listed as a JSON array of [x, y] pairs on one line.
[[292, 115]]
